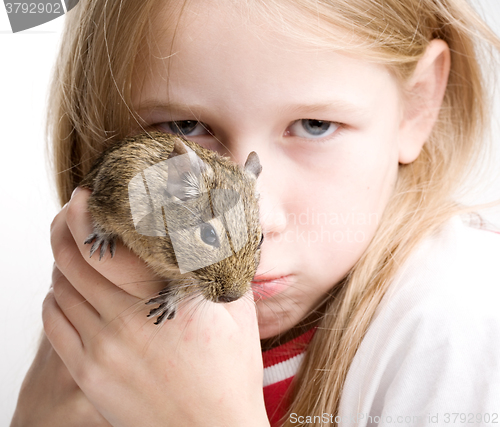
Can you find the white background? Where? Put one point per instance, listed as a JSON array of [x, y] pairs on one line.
[[28, 201]]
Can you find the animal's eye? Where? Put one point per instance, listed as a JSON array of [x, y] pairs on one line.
[[261, 240], [310, 128], [209, 235], [186, 127]]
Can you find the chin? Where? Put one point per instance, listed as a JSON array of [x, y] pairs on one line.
[[271, 323], [268, 331]]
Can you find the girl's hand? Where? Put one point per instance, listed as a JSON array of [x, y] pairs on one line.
[[49, 396], [202, 368]]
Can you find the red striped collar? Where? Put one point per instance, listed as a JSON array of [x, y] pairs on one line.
[[282, 362], [280, 366]]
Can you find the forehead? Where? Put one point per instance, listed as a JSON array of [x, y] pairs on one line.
[[182, 25], [214, 43]]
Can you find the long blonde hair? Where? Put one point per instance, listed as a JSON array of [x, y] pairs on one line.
[[90, 108]]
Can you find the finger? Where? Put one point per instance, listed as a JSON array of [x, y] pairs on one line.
[[243, 311], [125, 269], [109, 300], [54, 365], [60, 332], [84, 318]]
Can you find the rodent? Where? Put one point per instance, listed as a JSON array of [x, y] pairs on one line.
[[178, 206]]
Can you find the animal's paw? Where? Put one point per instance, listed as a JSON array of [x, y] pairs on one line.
[[168, 304], [102, 240]]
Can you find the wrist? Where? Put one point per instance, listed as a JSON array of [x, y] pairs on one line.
[[254, 420], [19, 419]]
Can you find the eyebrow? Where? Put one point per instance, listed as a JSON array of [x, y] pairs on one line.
[[334, 105], [152, 104]]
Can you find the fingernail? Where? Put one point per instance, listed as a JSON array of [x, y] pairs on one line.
[[76, 190]]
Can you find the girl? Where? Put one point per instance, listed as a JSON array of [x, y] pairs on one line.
[[367, 116]]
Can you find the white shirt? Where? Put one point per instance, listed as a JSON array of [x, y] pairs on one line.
[[431, 356]]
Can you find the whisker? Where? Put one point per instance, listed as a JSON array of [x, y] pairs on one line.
[[189, 298]]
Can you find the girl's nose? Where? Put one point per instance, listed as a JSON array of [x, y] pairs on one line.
[[272, 215], [270, 186], [272, 199]]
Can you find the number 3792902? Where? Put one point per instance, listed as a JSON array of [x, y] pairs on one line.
[[33, 8]]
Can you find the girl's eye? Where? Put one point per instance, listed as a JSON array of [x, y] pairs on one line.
[[185, 128], [310, 128]]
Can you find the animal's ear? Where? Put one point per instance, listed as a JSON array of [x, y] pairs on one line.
[[252, 165], [185, 168], [179, 148], [192, 162]]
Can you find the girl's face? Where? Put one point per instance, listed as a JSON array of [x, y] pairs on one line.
[[325, 126]]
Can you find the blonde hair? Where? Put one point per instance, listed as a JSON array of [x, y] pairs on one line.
[[90, 108]]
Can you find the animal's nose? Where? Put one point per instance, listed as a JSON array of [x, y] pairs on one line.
[[227, 298]]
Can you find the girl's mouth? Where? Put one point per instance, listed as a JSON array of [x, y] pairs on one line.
[[267, 287]]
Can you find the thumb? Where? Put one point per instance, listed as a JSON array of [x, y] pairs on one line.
[[244, 313]]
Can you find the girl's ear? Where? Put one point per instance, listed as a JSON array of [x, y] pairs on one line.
[[424, 96]]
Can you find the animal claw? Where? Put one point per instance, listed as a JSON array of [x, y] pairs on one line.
[[102, 240], [167, 308]]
